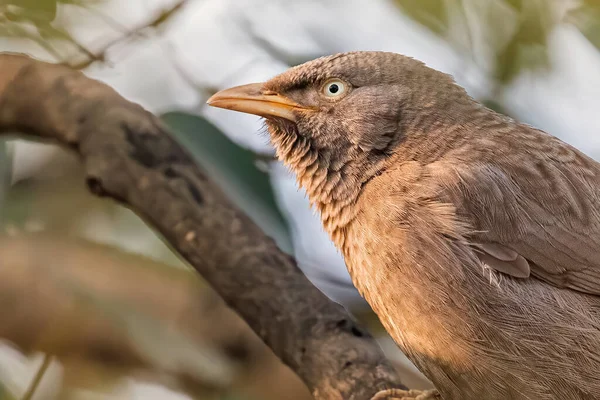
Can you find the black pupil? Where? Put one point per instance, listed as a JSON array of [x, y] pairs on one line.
[[334, 88]]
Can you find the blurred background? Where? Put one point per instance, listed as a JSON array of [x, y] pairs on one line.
[[94, 305]]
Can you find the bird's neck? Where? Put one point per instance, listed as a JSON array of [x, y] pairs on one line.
[[337, 200], [333, 182]]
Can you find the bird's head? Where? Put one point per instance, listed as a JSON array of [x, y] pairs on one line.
[[336, 120]]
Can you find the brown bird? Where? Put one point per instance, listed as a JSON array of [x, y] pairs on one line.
[[475, 238]]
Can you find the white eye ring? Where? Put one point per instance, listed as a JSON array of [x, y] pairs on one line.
[[334, 88]]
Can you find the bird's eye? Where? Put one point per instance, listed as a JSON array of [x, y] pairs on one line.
[[334, 88]]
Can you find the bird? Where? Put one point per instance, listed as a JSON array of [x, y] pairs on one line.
[[474, 237]]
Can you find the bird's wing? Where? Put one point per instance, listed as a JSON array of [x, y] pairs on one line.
[[537, 215]]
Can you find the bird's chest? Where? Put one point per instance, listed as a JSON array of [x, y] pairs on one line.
[[396, 304], [422, 308], [402, 299], [427, 332], [458, 332]]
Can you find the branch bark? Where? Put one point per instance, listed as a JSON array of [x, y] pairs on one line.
[[130, 156]]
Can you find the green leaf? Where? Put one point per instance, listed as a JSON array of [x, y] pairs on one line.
[[586, 17], [525, 48], [430, 13], [516, 4], [19, 30], [5, 394], [528, 48], [34, 10]]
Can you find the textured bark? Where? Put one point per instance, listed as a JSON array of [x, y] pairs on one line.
[[130, 156]]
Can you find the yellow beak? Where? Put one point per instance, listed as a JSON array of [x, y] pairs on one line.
[[252, 99]]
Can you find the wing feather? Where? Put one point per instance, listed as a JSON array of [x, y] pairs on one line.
[[546, 211]]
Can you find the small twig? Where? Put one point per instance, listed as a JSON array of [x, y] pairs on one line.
[[156, 22], [47, 31], [37, 379]]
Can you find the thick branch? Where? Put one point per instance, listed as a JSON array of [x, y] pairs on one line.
[[130, 156]]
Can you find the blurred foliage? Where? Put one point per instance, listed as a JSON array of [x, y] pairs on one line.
[[587, 17], [431, 13], [37, 12], [106, 314], [5, 394], [527, 48], [532, 22], [166, 349], [32, 19]]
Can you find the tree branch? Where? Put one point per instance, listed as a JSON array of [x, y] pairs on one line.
[[130, 156]]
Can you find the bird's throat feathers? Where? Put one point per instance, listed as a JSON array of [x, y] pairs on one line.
[[332, 177]]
